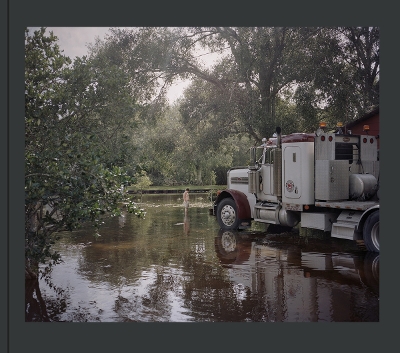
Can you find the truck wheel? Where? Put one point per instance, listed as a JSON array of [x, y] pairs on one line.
[[228, 241], [227, 214], [371, 271], [371, 232]]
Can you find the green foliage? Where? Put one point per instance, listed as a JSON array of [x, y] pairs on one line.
[[326, 72], [67, 181], [142, 180], [291, 77]]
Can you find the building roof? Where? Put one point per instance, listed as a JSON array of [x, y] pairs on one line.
[[373, 112]]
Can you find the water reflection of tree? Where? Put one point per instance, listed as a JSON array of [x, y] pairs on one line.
[[155, 305], [44, 309], [202, 294], [159, 274], [35, 306], [124, 251], [212, 298]]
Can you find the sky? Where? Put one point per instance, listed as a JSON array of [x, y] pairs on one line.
[[74, 41]]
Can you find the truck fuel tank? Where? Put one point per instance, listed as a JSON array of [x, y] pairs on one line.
[[362, 186]]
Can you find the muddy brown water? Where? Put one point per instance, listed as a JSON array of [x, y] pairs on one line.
[[172, 267]]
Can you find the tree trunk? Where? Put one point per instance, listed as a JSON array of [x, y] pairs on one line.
[[35, 306], [31, 272]]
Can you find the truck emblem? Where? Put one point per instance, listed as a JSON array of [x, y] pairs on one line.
[[289, 185]]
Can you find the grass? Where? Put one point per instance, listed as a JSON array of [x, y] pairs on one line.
[[181, 187]]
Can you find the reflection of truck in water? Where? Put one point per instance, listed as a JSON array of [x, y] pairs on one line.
[[295, 261], [325, 181]]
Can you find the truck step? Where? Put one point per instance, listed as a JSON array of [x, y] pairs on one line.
[[344, 230]]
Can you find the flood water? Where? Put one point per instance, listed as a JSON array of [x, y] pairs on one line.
[[172, 267]]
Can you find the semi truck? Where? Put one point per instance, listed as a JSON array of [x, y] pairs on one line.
[[326, 180]]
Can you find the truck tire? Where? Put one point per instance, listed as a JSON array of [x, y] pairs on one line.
[[371, 232], [227, 214], [371, 271]]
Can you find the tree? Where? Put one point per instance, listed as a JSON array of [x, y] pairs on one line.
[[361, 52], [142, 181], [291, 77], [327, 72], [344, 84], [66, 180]]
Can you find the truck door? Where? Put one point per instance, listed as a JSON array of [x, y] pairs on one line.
[[292, 170]]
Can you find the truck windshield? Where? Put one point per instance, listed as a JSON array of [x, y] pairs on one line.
[[269, 155]]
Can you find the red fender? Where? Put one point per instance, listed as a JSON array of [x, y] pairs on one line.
[[243, 207]]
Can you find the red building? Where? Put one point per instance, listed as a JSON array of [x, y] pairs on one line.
[[371, 119]]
